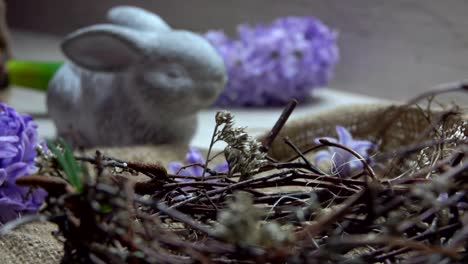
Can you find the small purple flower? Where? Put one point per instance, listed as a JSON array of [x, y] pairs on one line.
[[339, 161], [193, 157], [18, 139], [444, 197], [271, 64]]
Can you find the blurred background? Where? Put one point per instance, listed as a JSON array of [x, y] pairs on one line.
[[389, 49]]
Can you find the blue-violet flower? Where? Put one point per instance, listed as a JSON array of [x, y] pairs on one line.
[[339, 161], [193, 156], [271, 64], [18, 139]]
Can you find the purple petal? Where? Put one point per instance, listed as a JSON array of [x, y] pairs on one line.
[[355, 164], [13, 192], [361, 144], [341, 161], [175, 167], [194, 156], [362, 147], [222, 167], [16, 170], [443, 197], [35, 199], [9, 139], [196, 170], [321, 156], [8, 151], [9, 209], [344, 136]]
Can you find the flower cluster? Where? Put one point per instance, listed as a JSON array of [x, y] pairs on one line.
[[18, 139], [339, 161], [271, 64]]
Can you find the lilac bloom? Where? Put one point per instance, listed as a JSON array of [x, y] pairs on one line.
[[271, 64], [18, 139], [340, 161]]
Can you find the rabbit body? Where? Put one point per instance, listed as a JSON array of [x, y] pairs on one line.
[[133, 82]]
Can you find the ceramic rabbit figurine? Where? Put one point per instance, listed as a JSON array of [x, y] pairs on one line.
[[134, 81]]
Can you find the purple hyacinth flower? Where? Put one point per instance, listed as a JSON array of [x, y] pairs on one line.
[[339, 161], [18, 139], [271, 64]]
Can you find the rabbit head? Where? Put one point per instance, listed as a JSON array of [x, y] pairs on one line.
[[176, 70]]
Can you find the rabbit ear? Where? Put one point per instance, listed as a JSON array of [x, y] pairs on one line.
[[137, 18], [108, 48]]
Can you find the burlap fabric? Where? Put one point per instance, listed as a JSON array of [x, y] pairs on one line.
[[391, 126], [31, 243], [402, 126]]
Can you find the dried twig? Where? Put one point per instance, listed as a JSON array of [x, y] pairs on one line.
[[268, 140]]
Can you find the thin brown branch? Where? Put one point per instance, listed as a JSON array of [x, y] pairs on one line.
[[268, 140]]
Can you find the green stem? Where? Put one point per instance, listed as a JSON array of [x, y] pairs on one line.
[[31, 74]]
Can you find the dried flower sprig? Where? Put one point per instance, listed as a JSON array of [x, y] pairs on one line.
[[243, 153]]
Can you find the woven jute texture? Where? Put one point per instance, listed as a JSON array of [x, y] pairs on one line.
[[31, 243], [397, 126], [390, 126]]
